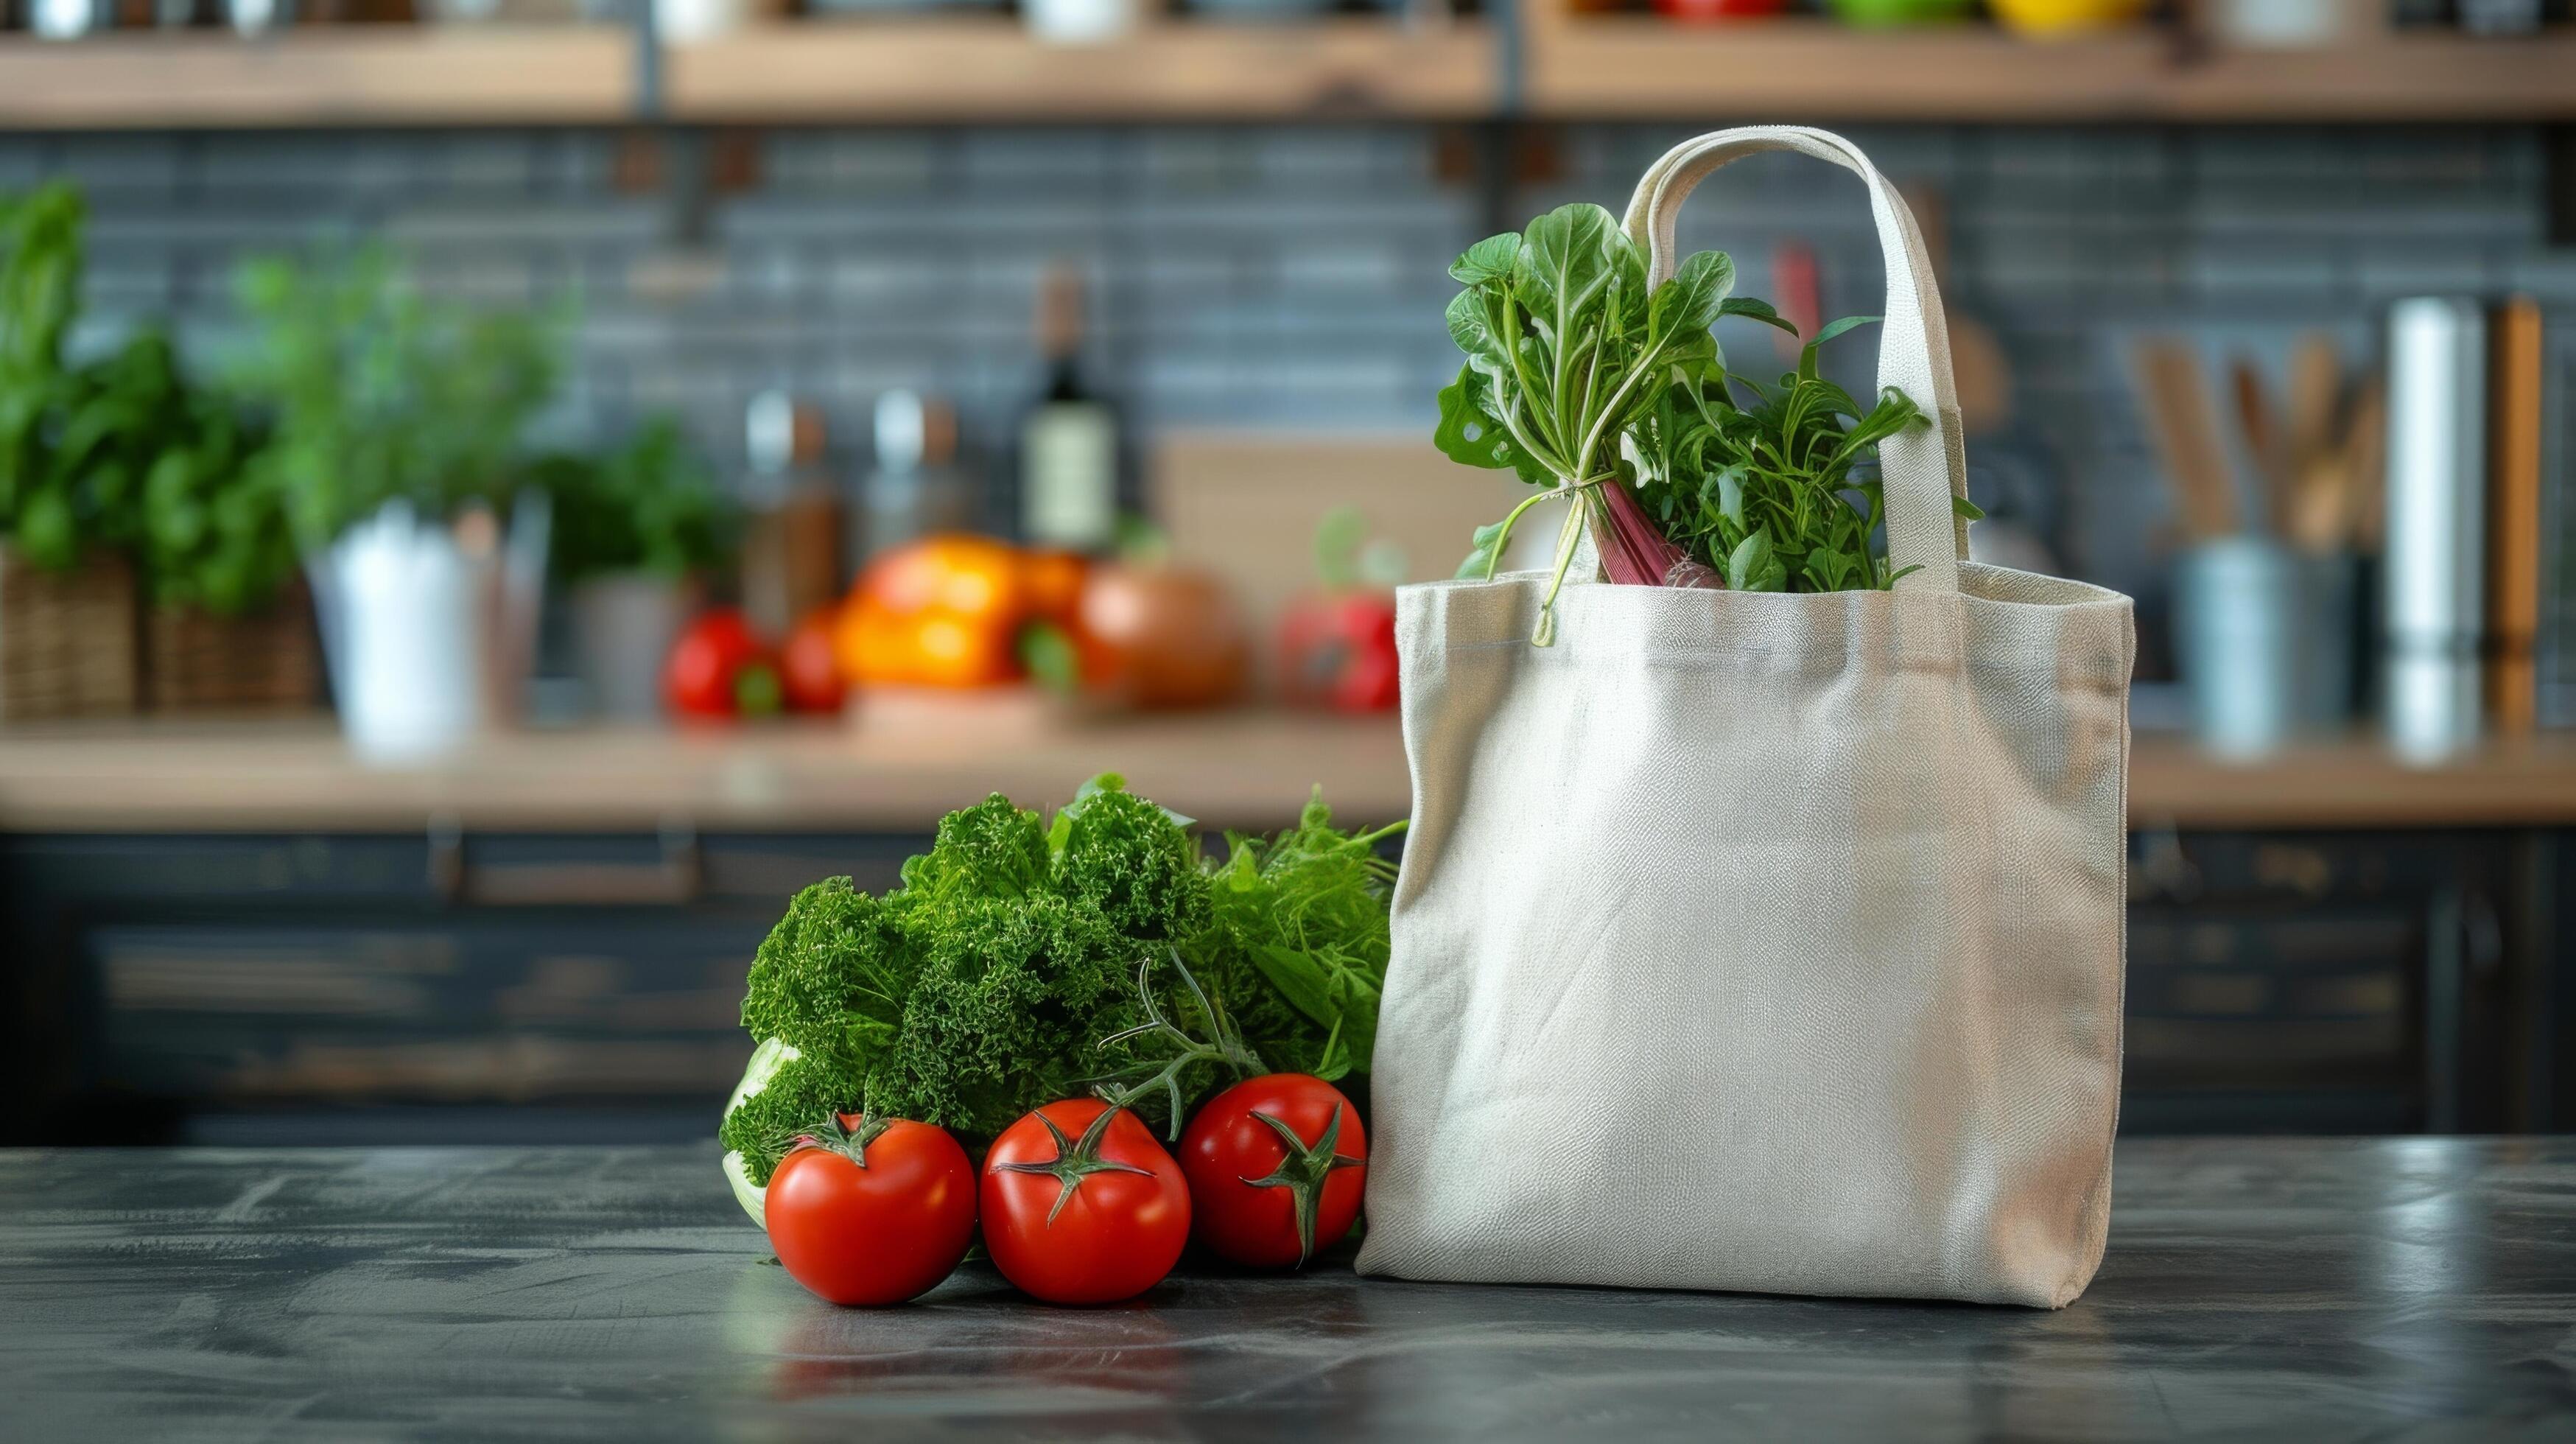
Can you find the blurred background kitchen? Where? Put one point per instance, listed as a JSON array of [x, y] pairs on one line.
[[498, 493]]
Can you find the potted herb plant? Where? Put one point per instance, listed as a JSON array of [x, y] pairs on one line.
[[395, 441], [636, 529], [67, 634], [227, 625]]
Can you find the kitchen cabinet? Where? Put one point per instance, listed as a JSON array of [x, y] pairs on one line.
[[2334, 983], [237, 933], [341, 986], [326, 985]]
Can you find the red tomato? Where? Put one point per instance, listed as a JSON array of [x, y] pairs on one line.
[[873, 1215], [1083, 1220], [1339, 652], [704, 677], [1276, 1165], [808, 670]]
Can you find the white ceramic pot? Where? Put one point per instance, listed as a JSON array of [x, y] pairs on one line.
[[1079, 22], [428, 628], [66, 19], [694, 22]]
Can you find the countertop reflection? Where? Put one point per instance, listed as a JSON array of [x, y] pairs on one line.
[[2254, 1287]]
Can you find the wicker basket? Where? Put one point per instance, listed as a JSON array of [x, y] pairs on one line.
[[266, 661], [67, 639]]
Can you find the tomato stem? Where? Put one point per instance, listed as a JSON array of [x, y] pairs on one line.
[[1074, 1161], [834, 1136], [1303, 1171], [1225, 1046]]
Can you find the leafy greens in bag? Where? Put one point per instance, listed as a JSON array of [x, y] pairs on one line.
[[1567, 349], [1584, 382], [1764, 491]]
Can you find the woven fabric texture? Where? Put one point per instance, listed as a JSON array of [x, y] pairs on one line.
[[1763, 941]]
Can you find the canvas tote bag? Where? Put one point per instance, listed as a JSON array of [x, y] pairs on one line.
[[1763, 941]]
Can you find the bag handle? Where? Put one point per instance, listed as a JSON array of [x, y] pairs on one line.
[[1923, 467]]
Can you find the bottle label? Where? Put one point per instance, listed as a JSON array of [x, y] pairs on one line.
[[1069, 477]]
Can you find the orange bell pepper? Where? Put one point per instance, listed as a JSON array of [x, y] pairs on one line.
[[945, 611]]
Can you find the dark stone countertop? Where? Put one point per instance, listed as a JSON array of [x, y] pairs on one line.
[[2258, 1288]]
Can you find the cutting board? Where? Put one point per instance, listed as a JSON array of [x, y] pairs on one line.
[[1245, 505]]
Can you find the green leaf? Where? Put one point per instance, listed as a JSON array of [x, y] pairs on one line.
[[1481, 560], [47, 533], [1755, 310], [1049, 656], [1471, 325], [1831, 329], [1689, 302], [1628, 303], [1333, 1060], [1807, 356], [1304, 982], [1746, 566], [1730, 493], [1894, 412], [1566, 262], [1106, 784], [1468, 432], [1960, 506], [1490, 259], [1834, 398]]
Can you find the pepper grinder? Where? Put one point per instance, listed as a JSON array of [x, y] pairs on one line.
[[791, 563]]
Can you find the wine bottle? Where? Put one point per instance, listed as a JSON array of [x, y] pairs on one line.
[[1069, 440]]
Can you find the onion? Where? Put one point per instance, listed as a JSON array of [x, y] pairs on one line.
[[1162, 636]]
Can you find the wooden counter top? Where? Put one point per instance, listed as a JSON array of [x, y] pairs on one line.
[[1238, 769]]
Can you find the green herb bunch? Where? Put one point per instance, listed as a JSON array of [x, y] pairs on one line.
[[210, 529], [1297, 939], [50, 510], [1005, 971], [650, 505], [1582, 381], [1567, 348], [1776, 489], [123, 452], [378, 393]]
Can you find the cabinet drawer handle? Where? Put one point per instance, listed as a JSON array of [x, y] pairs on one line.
[[678, 878]]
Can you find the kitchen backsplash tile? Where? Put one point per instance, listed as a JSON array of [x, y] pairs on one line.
[[1295, 276]]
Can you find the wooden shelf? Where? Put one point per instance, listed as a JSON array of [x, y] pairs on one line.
[[371, 75], [1607, 67], [896, 70], [1248, 768]]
